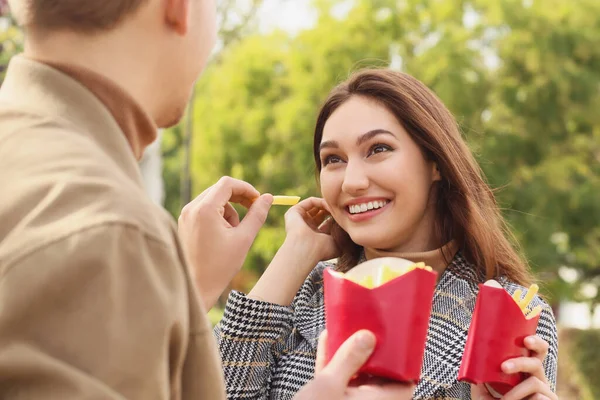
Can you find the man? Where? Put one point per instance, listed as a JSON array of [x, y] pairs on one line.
[[98, 297]]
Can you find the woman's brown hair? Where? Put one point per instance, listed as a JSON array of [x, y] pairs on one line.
[[467, 211]]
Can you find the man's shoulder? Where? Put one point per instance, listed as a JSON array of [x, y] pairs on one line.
[[56, 181]]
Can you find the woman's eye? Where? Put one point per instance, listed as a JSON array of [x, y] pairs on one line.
[[379, 148], [331, 160]]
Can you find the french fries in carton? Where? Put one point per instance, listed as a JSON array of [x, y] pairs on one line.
[[500, 324], [390, 297]]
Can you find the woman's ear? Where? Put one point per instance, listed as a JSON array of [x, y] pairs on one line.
[[435, 173], [177, 15]]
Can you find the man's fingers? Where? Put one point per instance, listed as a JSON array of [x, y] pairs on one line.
[[229, 189], [351, 355], [231, 216], [256, 217]]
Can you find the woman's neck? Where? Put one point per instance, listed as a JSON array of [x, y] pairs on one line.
[[438, 259]]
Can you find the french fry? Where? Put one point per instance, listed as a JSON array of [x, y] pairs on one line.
[[285, 200], [533, 289], [517, 296], [384, 274], [367, 282], [534, 312]]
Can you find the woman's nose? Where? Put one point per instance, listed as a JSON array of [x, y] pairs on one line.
[[356, 180]]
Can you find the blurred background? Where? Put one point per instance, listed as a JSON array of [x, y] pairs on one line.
[[522, 78]]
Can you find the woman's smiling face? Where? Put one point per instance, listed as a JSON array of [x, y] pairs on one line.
[[376, 180]]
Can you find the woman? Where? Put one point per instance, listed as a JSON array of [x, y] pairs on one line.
[[398, 180]]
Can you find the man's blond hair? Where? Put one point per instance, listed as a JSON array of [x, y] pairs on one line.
[[76, 15]]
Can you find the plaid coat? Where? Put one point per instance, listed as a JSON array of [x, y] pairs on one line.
[[268, 351]]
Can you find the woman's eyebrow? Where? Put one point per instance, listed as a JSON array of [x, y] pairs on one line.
[[329, 144], [332, 144], [371, 134]]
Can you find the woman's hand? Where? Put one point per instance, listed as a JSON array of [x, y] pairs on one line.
[[307, 226], [536, 386], [307, 242]]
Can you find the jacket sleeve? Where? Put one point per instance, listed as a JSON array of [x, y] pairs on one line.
[[95, 315], [253, 334], [547, 331], [251, 337]]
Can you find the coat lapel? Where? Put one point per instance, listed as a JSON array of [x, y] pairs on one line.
[[453, 305], [309, 311]]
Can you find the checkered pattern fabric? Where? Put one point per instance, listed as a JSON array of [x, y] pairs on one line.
[[269, 351]]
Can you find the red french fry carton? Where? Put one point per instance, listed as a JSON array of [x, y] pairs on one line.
[[497, 333], [397, 312]]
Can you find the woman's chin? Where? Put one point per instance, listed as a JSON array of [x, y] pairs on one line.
[[370, 240]]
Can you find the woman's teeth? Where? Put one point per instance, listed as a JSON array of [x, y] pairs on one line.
[[364, 207]]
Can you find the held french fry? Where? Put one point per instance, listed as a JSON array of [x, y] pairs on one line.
[[285, 200]]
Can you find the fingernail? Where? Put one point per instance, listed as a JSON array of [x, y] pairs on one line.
[[268, 198], [508, 366], [366, 340]]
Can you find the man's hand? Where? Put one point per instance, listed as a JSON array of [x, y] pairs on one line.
[[333, 381], [213, 236]]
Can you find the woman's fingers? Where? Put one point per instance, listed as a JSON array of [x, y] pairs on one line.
[[325, 227], [312, 211], [531, 388], [480, 392], [529, 365], [538, 346]]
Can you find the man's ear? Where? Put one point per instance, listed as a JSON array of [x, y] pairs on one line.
[[177, 15], [437, 176]]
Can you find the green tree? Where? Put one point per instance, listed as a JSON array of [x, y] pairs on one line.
[[521, 78]]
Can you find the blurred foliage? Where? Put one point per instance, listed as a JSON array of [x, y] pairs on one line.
[[11, 38], [582, 348], [215, 315], [522, 78]]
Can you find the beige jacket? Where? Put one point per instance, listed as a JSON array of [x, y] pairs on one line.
[[96, 300]]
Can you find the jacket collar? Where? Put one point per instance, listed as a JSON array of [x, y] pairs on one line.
[[54, 96]]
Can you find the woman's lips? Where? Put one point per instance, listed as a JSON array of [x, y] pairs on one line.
[[363, 216]]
